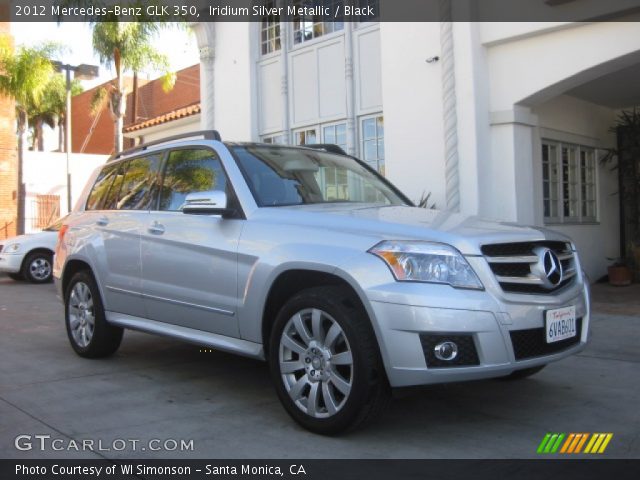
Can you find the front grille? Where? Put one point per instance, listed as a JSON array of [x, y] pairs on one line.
[[532, 342], [467, 354], [514, 265]]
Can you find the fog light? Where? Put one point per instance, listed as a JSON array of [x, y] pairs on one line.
[[446, 351]]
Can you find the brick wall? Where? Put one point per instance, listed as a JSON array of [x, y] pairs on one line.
[[152, 101], [100, 139], [8, 161]]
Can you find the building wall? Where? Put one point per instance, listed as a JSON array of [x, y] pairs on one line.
[[575, 121], [45, 174], [411, 89], [92, 134], [8, 161], [510, 83], [153, 101]]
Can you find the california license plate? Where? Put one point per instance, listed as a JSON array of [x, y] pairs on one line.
[[560, 324]]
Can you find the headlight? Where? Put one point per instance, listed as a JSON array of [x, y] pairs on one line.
[[415, 261], [12, 248]]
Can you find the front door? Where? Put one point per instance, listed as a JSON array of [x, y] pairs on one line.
[[189, 262]]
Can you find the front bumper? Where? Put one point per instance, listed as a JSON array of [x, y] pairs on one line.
[[10, 263], [404, 315]]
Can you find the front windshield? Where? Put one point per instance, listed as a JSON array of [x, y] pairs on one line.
[[280, 176]]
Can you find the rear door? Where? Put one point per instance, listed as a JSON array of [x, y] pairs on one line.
[[117, 209], [189, 262]]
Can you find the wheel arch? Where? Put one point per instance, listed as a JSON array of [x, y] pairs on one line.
[[72, 267], [291, 282]]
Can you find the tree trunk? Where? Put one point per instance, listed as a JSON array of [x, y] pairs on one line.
[[118, 107], [22, 128], [39, 136]]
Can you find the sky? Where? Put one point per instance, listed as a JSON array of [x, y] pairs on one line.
[[179, 45]]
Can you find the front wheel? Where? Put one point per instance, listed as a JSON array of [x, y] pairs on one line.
[[37, 267], [90, 335], [325, 363]]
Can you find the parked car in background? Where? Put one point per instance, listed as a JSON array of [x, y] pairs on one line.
[[314, 262], [30, 257]]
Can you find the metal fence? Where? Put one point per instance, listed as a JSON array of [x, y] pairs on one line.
[[44, 210]]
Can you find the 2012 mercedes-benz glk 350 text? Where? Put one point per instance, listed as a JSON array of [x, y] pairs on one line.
[[310, 260]]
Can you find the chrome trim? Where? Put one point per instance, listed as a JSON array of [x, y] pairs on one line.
[[222, 311], [198, 337], [122, 290], [516, 259], [528, 280]]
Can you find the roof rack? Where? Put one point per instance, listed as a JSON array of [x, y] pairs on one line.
[[206, 134], [327, 147]]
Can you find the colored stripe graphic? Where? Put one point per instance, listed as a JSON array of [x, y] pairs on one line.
[[573, 443], [598, 443]]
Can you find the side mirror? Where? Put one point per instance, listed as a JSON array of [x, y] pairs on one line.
[[213, 202]]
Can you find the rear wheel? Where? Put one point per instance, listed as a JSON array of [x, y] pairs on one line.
[[324, 362], [524, 373], [89, 333], [37, 267]]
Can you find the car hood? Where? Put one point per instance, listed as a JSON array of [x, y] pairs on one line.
[[465, 232], [44, 239]]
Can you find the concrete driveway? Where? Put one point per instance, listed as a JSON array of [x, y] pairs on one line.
[[225, 406]]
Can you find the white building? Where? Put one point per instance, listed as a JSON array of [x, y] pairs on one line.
[[503, 120]]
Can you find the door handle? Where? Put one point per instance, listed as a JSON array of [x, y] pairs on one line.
[[156, 228], [102, 221]]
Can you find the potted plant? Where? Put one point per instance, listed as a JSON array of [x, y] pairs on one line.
[[620, 274]]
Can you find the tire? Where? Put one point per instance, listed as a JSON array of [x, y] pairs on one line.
[[90, 335], [524, 373], [312, 330], [37, 267], [16, 276]]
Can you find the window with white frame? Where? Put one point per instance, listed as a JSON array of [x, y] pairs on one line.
[[308, 27], [335, 134], [307, 136], [569, 183], [334, 181], [277, 138], [270, 31], [372, 140]]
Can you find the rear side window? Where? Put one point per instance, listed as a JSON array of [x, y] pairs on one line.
[[188, 171], [129, 185], [101, 187], [139, 184]]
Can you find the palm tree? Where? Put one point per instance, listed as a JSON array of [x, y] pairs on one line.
[[128, 47], [24, 73], [52, 110]]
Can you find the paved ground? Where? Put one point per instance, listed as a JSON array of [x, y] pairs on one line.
[[161, 389]]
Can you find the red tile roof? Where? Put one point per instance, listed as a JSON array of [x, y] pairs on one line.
[[165, 117]]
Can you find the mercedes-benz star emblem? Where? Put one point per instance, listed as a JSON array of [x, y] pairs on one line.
[[549, 267]]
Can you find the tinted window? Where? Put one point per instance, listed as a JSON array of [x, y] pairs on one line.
[[140, 183], [101, 187], [188, 171], [110, 200]]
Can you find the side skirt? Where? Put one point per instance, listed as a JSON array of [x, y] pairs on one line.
[[198, 337]]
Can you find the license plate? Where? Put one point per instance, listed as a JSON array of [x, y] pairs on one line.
[[560, 324]]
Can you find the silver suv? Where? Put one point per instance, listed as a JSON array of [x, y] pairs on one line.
[[310, 260]]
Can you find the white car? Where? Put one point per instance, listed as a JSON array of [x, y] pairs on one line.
[[30, 257]]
